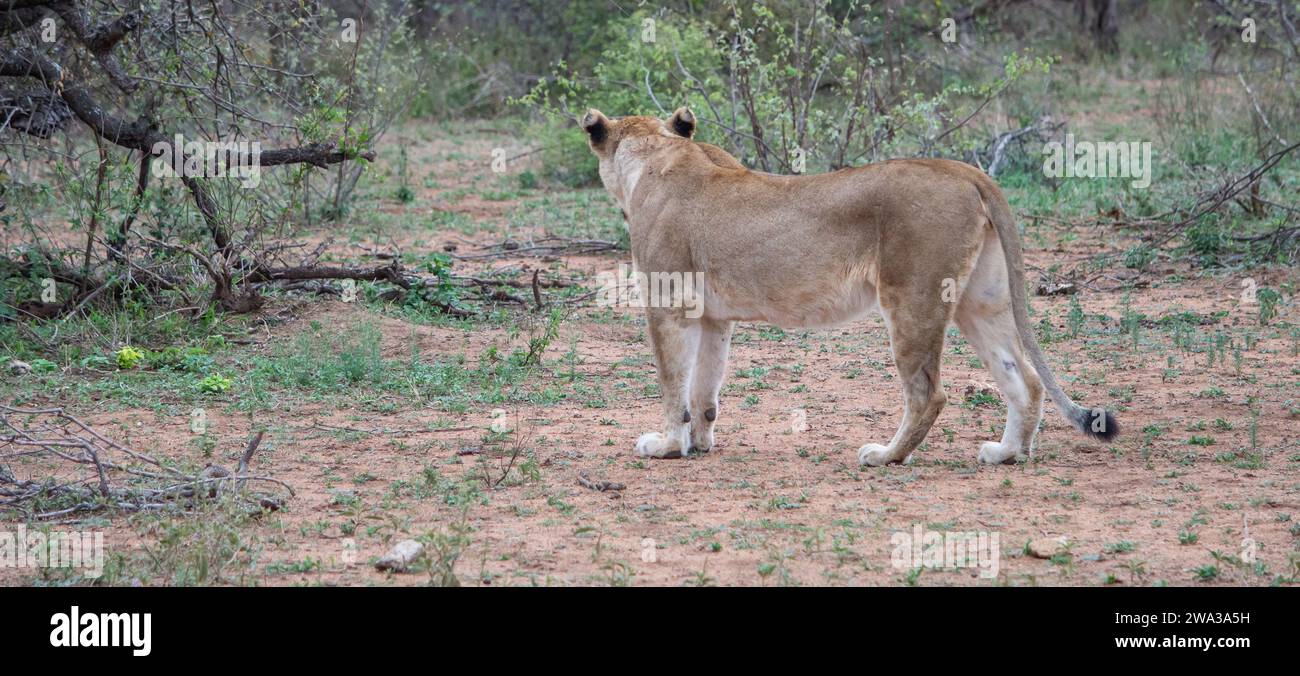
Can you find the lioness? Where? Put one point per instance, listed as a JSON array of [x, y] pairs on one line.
[[926, 242]]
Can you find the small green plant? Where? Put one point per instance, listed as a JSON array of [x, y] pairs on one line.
[[404, 193], [215, 384], [128, 357], [1075, 320], [43, 366], [1136, 570], [1120, 547], [540, 337], [1268, 300], [1139, 257], [980, 398]]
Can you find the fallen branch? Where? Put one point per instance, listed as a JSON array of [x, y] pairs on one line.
[[540, 247], [1001, 143], [1227, 191], [394, 431], [134, 481]]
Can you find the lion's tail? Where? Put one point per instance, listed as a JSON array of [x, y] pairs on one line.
[[1098, 423]]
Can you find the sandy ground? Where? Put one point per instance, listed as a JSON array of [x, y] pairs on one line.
[[773, 503]]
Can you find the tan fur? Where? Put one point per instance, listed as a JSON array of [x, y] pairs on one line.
[[924, 242]]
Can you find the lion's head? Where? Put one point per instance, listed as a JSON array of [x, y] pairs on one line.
[[621, 144]]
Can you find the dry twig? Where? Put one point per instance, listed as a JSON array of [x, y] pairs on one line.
[[123, 479]]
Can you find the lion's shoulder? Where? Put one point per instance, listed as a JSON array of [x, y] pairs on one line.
[[719, 156], [686, 157]]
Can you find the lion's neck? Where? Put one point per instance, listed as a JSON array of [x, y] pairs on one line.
[[629, 165]]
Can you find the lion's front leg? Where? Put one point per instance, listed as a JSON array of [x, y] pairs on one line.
[[675, 341]]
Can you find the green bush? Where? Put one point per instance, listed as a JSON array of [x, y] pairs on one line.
[[786, 88]]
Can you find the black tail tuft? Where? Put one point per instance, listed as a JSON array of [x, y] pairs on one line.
[[1098, 423]]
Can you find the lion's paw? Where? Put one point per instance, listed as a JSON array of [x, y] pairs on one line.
[[656, 445], [701, 440], [994, 453], [877, 456]]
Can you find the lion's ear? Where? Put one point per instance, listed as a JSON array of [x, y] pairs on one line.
[[683, 122], [596, 125]]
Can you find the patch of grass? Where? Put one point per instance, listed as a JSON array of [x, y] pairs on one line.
[[576, 214], [350, 364]]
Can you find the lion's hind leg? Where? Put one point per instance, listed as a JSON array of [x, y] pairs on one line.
[[984, 316], [916, 336]]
